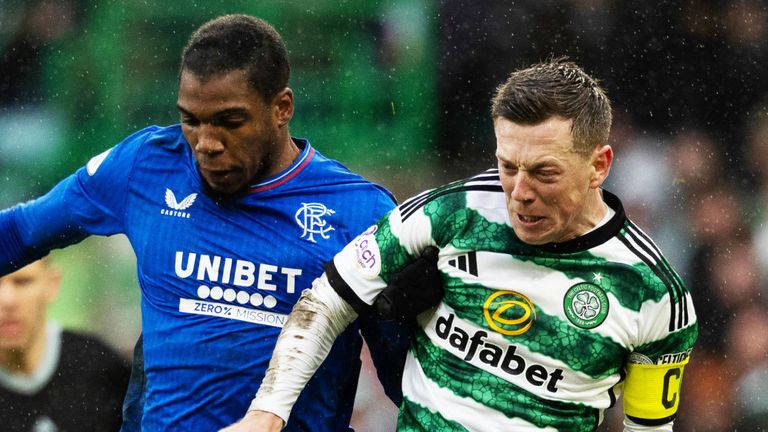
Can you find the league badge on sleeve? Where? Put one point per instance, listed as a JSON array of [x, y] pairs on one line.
[[367, 254], [93, 165]]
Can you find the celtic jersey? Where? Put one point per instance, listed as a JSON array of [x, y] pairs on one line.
[[527, 338], [217, 276]]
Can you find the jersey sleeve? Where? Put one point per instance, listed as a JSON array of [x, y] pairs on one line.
[[387, 341], [654, 371], [361, 270], [90, 201]]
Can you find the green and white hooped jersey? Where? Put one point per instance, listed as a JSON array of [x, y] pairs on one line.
[[527, 338]]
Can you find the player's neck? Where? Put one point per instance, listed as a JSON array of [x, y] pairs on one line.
[[288, 154], [595, 210], [599, 207]]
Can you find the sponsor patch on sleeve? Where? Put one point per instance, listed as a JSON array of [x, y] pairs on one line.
[[367, 254]]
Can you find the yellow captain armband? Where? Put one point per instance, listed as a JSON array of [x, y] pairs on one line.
[[652, 392]]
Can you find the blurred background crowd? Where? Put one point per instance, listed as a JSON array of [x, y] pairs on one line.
[[399, 91]]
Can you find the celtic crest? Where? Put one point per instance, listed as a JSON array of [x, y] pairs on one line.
[[586, 305]]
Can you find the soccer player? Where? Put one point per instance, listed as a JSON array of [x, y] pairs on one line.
[[555, 302], [52, 379], [230, 218]]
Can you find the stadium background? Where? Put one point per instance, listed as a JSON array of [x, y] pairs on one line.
[[399, 90]]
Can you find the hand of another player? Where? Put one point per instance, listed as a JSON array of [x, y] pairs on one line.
[[256, 421], [416, 288]]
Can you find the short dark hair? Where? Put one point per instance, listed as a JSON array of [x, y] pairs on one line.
[[239, 42], [557, 88]]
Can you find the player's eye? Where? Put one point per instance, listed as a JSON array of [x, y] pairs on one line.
[[547, 175], [228, 123], [22, 281], [508, 168], [189, 121]]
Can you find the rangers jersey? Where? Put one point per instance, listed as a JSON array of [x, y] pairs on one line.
[[217, 276], [527, 338]]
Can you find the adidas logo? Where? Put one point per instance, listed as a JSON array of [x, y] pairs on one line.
[[466, 263]]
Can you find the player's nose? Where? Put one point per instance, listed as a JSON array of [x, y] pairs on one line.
[[208, 141], [521, 189], [7, 294]]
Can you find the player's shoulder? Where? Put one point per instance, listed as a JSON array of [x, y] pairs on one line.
[[152, 143], [648, 279], [161, 137], [481, 193], [649, 258], [325, 168], [333, 176], [145, 142]]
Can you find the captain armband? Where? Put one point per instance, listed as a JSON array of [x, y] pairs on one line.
[[652, 392]]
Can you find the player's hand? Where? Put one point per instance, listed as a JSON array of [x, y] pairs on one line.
[[256, 421], [413, 290]]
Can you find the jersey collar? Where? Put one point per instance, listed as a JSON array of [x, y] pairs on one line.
[[596, 237], [295, 168]]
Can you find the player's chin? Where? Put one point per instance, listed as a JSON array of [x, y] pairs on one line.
[[230, 184], [531, 234], [224, 189]]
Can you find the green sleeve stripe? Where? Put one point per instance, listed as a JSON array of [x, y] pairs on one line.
[[678, 342], [393, 255]]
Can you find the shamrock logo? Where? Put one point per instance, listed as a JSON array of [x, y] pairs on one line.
[[586, 305]]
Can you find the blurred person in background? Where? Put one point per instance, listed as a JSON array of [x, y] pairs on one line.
[[647, 192], [229, 217], [555, 303], [722, 268], [748, 357], [52, 379], [708, 396], [695, 169], [756, 132], [726, 388]]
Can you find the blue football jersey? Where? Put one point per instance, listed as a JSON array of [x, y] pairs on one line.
[[218, 277]]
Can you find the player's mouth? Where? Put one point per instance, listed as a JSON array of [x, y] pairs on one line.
[[217, 176], [223, 181], [11, 329], [528, 220]]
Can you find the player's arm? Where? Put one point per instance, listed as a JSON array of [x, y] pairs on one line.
[[654, 372], [320, 315], [388, 326], [29, 231], [67, 214], [412, 291], [652, 395], [380, 257], [90, 201], [316, 320]]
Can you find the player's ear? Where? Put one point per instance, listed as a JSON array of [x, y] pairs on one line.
[[601, 161], [282, 106]]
